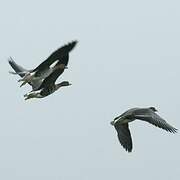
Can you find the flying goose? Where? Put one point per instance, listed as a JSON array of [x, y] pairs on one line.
[[48, 86], [35, 77], [145, 114]]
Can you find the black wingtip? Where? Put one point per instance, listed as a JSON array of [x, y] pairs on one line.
[[68, 47], [170, 129], [72, 44], [173, 130], [10, 60], [129, 150]]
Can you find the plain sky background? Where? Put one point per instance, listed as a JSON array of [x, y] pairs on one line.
[[128, 55]]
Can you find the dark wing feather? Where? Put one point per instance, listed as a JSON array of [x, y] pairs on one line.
[[151, 117], [124, 135], [64, 60], [57, 55], [17, 68]]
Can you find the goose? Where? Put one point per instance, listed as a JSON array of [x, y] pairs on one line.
[[121, 124], [48, 86], [35, 83], [35, 77]]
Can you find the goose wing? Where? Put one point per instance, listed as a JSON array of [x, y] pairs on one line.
[[151, 117], [21, 72], [17, 68], [124, 135], [57, 55]]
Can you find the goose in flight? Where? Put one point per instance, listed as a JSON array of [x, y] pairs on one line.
[[145, 114], [36, 76], [48, 85]]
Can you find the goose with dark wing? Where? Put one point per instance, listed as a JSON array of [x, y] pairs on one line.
[[48, 86], [37, 75], [121, 124]]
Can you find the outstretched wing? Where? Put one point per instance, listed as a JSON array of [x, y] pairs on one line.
[[124, 135], [57, 55], [17, 68], [21, 72], [151, 117]]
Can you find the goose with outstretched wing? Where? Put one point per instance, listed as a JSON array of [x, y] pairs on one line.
[[36, 76], [121, 124]]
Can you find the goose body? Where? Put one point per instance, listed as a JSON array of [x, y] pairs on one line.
[[121, 124], [46, 91], [48, 86]]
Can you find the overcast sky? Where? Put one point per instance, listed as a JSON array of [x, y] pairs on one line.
[[128, 55]]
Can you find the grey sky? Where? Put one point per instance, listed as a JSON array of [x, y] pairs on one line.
[[128, 55]]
